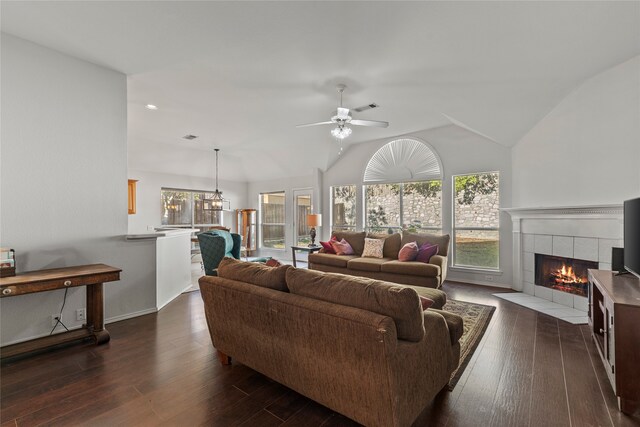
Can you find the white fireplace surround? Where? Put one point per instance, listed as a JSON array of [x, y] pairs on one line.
[[583, 232]]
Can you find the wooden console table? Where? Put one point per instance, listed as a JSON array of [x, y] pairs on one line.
[[92, 276], [614, 320]]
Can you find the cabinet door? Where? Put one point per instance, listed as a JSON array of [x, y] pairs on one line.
[[132, 196]]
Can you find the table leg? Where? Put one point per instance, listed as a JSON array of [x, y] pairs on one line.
[[95, 313], [293, 256]]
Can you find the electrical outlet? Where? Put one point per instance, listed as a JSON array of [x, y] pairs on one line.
[[488, 278], [81, 314], [54, 319]]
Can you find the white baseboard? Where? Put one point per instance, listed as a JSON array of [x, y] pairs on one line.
[[174, 297], [130, 315]]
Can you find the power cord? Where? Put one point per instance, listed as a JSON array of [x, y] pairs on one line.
[[59, 318]]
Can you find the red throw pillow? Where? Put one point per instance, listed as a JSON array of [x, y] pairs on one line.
[[342, 247], [425, 302], [426, 251], [409, 252], [272, 262], [328, 249]]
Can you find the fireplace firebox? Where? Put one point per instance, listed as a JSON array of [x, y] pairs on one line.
[[563, 274]]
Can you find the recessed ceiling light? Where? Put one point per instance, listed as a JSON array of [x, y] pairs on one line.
[[151, 107]]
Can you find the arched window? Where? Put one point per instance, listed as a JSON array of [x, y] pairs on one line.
[[403, 188]]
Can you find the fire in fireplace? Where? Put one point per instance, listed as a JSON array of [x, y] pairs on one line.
[[563, 274]]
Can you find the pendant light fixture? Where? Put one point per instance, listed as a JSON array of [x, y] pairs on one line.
[[216, 202]]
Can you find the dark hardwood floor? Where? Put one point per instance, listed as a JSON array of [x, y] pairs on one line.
[[160, 369]]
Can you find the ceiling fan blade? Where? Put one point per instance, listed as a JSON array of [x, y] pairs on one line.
[[314, 124], [366, 107], [370, 123]]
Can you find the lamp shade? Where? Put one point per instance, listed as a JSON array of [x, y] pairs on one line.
[[314, 220]]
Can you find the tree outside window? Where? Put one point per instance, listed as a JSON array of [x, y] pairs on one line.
[[476, 220]]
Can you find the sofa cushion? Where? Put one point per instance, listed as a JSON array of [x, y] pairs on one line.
[[367, 264], [254, 273], [355, 239], [331, 259], [425, 252], [422, 238], [401, 303], [438, 297], [392, 244], [342, 247], [373, 248], [327, 247], [414, 268]]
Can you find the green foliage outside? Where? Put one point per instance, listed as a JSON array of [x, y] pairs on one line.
[[478, 253], [470, 185]]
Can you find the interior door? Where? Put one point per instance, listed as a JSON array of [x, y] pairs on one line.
[[302, 204]]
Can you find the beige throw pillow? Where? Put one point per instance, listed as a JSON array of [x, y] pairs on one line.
[[373, 248]]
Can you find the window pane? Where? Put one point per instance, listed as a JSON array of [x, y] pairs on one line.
[[477, 200], [273, 236], [383, 207], [343, 215], [422, 206], [176, 207], [200, 215], [477, 248], [272, 214]]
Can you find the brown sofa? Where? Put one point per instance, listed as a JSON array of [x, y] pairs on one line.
[[387, 268], [361, 347]]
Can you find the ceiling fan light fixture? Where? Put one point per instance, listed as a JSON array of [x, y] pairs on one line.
[[341, 132]]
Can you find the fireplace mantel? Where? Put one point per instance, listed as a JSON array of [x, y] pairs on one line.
[[566, 212]]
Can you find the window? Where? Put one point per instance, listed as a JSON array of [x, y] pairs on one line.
[[343, 208], [272, 220], [183, 208], [476, 233], [413, 206]]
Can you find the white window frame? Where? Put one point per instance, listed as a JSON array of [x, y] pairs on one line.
[[454, 228]]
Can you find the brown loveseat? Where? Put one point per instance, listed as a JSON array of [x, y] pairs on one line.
[[361, 347], [387, 268]]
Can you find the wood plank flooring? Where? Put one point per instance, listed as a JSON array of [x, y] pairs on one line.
[[160, 369]]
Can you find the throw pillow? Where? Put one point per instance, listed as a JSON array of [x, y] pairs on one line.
[[425, 302], [272, 262], [373, 248], [342, 247], [326, 246], [426, 251], [409, 252]]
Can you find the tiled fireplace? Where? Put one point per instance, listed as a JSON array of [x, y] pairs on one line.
[[576, 238]]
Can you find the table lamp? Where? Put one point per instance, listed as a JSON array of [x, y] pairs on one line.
[[313, 221]]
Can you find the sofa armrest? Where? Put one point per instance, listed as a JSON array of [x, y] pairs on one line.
[[440, 261]]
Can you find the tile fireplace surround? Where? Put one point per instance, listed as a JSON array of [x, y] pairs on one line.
[[583, 232]]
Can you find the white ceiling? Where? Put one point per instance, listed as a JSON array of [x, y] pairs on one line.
[[241, 75]]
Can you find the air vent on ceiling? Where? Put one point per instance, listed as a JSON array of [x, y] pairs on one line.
[[190, 137], [366, 107]]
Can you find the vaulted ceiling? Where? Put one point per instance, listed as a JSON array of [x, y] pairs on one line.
[[241, 75]]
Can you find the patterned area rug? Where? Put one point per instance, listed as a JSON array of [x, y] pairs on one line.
[[476, 320]]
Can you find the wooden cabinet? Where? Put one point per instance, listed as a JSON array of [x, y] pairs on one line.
[[132, 196], [614, 320]]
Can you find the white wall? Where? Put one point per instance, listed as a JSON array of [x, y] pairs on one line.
[[148, 209], [64, 183], [586, 151], [461, 152]]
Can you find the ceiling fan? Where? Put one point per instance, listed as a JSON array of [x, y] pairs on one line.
[[342, 119]]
